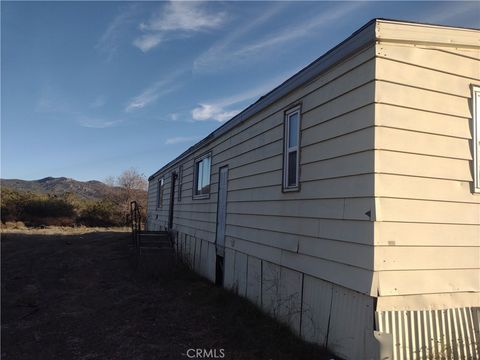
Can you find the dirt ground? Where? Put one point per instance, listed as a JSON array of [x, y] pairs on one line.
[[81, 296]]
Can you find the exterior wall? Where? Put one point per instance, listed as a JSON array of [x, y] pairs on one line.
[[427, 218], [322, 230], [427, 223], [283, 249]]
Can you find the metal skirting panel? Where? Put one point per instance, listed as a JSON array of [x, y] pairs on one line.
[[317, 302], [451, 334], [212, 260], [228, 277], [254, 280], [350, 331], [240, 274], [204, 259], [198, 255], [290, 298]]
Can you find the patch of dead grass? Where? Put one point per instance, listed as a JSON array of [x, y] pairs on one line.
[[19, 228]]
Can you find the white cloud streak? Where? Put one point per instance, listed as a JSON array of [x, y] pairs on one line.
[[181, 139], [449, 12], [212, 112], [208, 59], [97, 123], [154, 92], [99, 102], [229, 51], [219, 110], [184, 17], [110, 40], [148, 41]]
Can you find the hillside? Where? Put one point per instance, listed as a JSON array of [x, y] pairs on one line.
[[83, 189]]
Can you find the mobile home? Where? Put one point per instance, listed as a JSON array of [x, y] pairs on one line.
[[346, 201]]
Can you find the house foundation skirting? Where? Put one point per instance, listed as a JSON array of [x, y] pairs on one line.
[[451, 334], [321, 312]]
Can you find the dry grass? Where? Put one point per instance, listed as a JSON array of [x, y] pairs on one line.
[[19, 227], [84, 297]]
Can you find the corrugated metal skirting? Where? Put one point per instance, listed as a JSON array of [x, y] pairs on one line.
[[449, 334]]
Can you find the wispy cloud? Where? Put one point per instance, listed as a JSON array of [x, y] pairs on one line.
[[148, 41], [452, 12], [51, 100], [209, 59], [110, 40], [231, 51], [181, 139], [212, 112], [97, 123], [221, 109], [154, 92], [99, 102], [184, 17]]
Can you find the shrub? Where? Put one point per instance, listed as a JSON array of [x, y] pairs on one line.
[[66, 210], [49, 207], [101, 213]]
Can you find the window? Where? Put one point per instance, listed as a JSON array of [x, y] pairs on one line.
[[202, 177], [161, 183], [180, 181], [291, 156], [476, 137]]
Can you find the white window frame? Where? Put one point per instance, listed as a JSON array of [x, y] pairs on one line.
[[195, 176], [160, 187], [287, 150], [476, 137]]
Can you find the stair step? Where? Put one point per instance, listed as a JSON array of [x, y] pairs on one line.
[[162, 248], [157, 246], [153, 234], [155, 250], [155, 241], [161, 233], [154, 238]]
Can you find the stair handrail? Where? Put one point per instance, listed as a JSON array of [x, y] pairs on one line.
[[136, 221]]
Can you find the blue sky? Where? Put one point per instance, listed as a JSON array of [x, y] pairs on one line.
[[89, 89]]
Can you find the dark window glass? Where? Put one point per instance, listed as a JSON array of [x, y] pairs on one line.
[[202, 178], [292, 169], [293, 130]]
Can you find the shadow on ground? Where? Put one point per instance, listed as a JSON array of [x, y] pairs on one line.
[[81, 297]]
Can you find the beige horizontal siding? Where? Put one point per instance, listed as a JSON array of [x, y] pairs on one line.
[[422, 143], [421, 188], [426, 234], [432, 281], [438, 59], [422, 121], [426, 257], [428, 166], [318, 229], [427, 229], [429, 34]]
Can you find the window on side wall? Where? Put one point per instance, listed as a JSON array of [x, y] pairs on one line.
[[201, 187], [161, 183], [180, 182], [476, 137], [291, 151]]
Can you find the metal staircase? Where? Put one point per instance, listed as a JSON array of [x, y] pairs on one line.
[[154, 249]]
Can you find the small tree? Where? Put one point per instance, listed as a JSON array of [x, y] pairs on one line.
[[130, 185]]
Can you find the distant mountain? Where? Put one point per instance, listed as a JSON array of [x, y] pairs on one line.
[[84, 189]]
